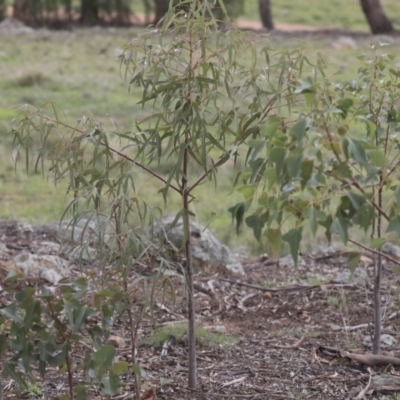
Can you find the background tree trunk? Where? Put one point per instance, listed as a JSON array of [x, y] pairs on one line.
[[160, 9], [21, 10], [89, 12], [264, 7], [376, 17]]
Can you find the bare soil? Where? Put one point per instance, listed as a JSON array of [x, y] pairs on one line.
[[287, 324]]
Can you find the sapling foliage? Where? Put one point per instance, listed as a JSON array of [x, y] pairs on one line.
[[331, 164]]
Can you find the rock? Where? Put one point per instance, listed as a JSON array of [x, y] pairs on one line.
[[216, 328], [85, 230], [3, 249], [359, 277], [391, 249], [289, 262], [14, 26], [207, 251], [50, 268], [47, 248], [385, 383], [117, 341], [345, 42], [386, 341]]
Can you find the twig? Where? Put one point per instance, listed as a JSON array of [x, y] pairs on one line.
[[270, 290], [292, 346], [379, 253], [364, 391]]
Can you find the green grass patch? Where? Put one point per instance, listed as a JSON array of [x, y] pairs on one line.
[[335, 13], [204, 337]]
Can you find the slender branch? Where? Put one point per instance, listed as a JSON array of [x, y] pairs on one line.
[[138, 164], [377, 252], [160, 178]]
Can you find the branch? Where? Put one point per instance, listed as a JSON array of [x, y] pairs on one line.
[[138, 164], [379, 253]]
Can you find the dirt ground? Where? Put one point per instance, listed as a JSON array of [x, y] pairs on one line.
[[291, 326]]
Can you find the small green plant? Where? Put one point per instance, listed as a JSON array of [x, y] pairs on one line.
[[43, 326], [333, 301]]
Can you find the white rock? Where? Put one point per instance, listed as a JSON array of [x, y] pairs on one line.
[[50, 268], [391, 249], [360, 277], [206, 249]]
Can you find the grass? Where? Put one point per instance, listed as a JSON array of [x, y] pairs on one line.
[[204, 337], [335, 13]]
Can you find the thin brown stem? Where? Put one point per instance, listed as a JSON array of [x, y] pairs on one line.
[[132, 326], [374, 251]]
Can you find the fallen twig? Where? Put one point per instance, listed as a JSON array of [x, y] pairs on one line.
[[364, 391], [293, 346]]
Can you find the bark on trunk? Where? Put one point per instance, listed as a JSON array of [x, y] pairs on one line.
[[376, 17], [21, 10], [160, 9], [265, 14], [89, 12]]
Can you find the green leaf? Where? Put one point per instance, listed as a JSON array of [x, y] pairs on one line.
[[293, 238], [306, 171], [257, 145], [237, 212], [344, 105], [81, 393], [394, 225], [377, 158], [274, 237], [110, 385], [298, 130], [10, 372], [103, 359], [354, 258], [139, 371], [247, 191], [11, 312], [256, 223], [358, 152], [377, 243], [272, 125], [312, 218], [120, 367], [340, 227], [305, 86]]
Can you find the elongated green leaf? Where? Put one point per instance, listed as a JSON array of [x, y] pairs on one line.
[[340, 227], [237, 212], [10, 372], [256, 223], [293, 238], [354, 258], [394, 225], [274, 237]]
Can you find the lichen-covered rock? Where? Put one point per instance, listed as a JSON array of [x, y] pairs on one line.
[[50, 268], [206, 249], [86, 230]]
